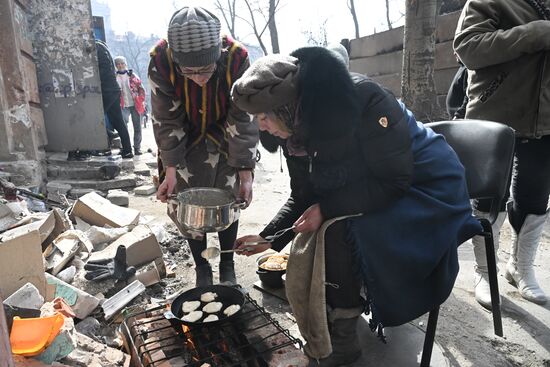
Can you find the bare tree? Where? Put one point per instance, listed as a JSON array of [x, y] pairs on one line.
[[269, 20], [229, 15], [317, 37], [388, 14], [273, 26], [417, 83], [351, 7]]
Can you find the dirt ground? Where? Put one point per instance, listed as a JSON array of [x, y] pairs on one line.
[[464, 332]]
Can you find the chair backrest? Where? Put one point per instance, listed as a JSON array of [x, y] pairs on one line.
[[486, 150]]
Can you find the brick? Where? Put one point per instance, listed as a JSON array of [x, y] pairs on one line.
[[118, 197], [145, 190]]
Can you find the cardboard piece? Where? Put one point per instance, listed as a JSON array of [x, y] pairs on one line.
[[98, 211], [44, 226], [21, 262], [64, 248], [141, 247]]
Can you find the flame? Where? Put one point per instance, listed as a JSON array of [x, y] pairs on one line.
[[189, 343]]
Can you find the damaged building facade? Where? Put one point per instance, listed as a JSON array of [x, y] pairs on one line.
[[50, 93]]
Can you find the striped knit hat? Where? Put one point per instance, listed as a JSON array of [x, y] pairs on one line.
[[194, 37]]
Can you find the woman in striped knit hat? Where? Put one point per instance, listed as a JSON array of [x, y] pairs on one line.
[[204, 140]]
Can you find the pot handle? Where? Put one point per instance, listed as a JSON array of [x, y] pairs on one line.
[[239, 204], [168, 315], [172, 199]]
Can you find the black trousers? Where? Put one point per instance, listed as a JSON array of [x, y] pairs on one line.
[[111, 106], [227, 240], [343, 286], [530, 180]]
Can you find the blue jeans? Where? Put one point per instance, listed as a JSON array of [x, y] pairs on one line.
[[136, 121]]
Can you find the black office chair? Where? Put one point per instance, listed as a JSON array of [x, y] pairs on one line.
[[486, 150]]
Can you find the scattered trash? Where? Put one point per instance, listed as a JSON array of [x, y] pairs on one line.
[[122, 298], [29, 337]]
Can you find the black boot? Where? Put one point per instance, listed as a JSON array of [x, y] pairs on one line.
[[204, 275], [345, 344], [227, 273]]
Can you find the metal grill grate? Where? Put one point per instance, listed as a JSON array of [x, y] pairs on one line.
[[252, 339]]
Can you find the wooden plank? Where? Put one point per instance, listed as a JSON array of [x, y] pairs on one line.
[[5, 348]]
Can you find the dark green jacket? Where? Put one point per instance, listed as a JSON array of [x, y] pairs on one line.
[[505, 44]]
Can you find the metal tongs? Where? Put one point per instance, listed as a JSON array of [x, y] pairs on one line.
[[212, 252]]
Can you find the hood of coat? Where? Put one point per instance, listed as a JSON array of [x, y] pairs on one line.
[[328, 104]]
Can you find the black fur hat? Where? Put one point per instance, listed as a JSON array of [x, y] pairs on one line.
[[328, 104]]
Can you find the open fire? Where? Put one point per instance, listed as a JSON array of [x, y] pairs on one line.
[[254, 338]]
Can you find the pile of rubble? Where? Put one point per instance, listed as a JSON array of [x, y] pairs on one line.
[[69, 275]]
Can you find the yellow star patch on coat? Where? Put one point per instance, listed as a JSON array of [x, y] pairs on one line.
[[383, 121]]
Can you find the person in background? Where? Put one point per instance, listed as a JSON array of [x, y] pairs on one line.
[[505, 45], [204, 140], [389, 194], [110, 93], [132, 99]]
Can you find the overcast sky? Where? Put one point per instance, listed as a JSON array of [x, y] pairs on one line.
[[295, 17]]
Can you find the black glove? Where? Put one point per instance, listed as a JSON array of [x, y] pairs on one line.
[[115, 268]]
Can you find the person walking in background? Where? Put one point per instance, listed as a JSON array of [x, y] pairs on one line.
[[203, 138], [505, 45], [132, 99], [110, 93]]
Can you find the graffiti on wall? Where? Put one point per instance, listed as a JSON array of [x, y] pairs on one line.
[[63, 85]]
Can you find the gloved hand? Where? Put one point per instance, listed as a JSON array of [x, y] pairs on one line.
[[115, 268]]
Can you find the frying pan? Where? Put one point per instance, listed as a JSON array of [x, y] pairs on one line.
[[226, 295]]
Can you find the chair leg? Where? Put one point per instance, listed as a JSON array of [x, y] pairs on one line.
[[429, 338], [493, 280]]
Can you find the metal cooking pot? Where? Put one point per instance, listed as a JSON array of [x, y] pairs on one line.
[[207, 209]]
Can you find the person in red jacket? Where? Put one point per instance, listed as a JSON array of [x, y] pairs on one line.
[[132, 98]]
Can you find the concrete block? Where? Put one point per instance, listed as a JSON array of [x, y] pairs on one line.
[[142, 170], [145, 190], [21, 262], [68, 274], [152, 164], [141, 247], [81, 302], [27, 297], [61, 347], [98, 211], [118, 197], [76, 193], [58, 187], [89, 327], [91, 353]]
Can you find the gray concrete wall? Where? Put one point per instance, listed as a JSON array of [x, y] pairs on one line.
[[22, 132], [68, 76], [381, 55]]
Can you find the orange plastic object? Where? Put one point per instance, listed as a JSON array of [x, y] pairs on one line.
[[29, 337]]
